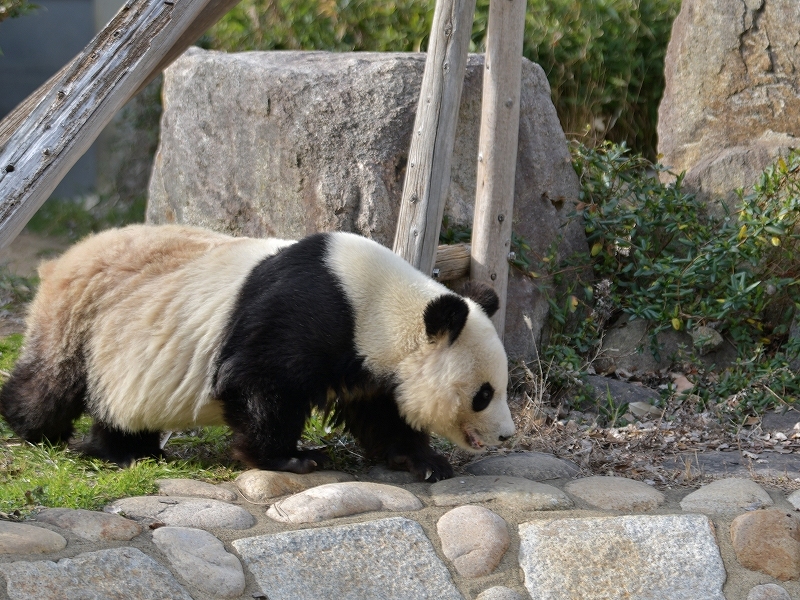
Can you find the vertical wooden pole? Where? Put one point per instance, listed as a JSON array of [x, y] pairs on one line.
[[497, 150], [428, 170]]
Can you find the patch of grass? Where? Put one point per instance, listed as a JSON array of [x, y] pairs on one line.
[[9, 351], [34, 475]]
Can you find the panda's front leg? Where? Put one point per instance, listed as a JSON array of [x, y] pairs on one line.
[[413, 453], [266, 428], [377, 425]]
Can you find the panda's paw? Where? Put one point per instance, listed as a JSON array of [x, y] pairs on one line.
[[426, 465], [435, 470], [305, 461], [299, 465]]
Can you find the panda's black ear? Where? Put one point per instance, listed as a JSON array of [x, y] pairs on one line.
[[445, 315], [483, 295]]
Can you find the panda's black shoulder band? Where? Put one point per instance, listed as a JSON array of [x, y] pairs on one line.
[[446, 314]]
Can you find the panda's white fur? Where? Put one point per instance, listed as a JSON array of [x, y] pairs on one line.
[[158, 328], [437, 379]]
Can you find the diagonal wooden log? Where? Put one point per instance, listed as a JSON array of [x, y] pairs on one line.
[[430, 155], [48, 132]]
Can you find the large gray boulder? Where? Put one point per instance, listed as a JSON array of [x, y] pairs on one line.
[[290, 143], [731, 102]]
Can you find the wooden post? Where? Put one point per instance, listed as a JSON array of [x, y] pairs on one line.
[[497, 150], [43, 137], [428, 170]]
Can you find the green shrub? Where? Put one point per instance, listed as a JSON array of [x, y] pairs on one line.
[[400, 25], [657, 254], [604, 59], [670, 262]]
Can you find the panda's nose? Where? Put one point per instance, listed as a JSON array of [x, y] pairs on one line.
[[503, 438]]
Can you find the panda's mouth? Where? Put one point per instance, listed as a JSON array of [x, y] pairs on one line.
[[473, 439]]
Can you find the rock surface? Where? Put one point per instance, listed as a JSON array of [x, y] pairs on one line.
[[768, 541], [195, 489], [341, 500], [510, 491], [729, 110], [27, 539], [626, 347], [201, 559], [260, 486], [615, 493], [735, 464], [91, 525], [499, 593], [536, 466], [617, 557], [474, 538], [727, 496], [183, 512], [290, 143], [768, 591], [388, 558], [577, 551], [623, 392], [93, 575]]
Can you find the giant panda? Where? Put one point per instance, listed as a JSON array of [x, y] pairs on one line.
[[154, 328]]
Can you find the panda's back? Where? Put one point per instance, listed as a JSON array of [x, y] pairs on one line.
[[168, 293]]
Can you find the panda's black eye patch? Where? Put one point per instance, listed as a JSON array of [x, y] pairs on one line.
[[483, 397]]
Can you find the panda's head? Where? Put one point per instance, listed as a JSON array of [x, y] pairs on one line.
[[455, 384]]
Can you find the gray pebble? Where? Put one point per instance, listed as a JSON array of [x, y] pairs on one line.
[[201, 559], [203, 513], [727, 496], [515, 492], [341, 500]]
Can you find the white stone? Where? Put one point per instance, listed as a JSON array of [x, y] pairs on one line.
[[515, 492], [669, 557], [388, 558], [195, 489], [474, 538], [341, 500], [499, 592], [794, 499], [261, 486], [18, 538], [383, 474], [615, 493], [203, 513], [201, 559], [727, 496], [536, 466], [768, 591], [90, 524], [118, 573]]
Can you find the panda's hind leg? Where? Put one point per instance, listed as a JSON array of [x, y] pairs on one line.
[[40, 401], [121, 447]]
